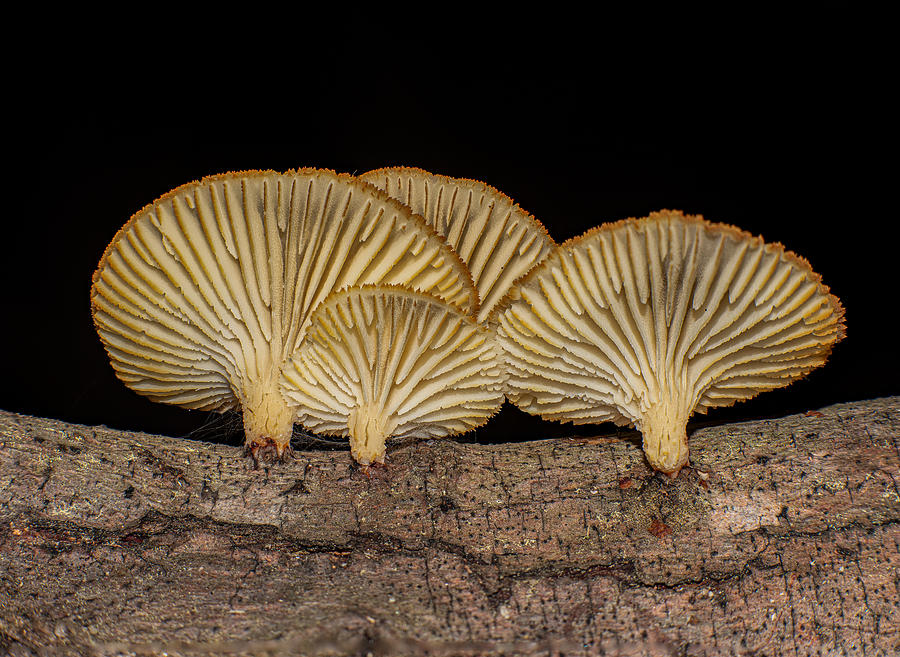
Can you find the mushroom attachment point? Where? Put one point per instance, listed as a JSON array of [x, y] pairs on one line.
[[384, 361], [498, 240], [647, 321], [205, 294]]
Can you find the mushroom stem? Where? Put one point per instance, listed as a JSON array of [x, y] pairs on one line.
[[664, 427], [268, 422], [368, 429]]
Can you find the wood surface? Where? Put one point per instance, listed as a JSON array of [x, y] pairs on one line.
[[781, 539]]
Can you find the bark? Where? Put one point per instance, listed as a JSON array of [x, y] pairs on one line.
[[783, 538]]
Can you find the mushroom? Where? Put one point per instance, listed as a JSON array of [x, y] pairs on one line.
[[383, 361], [498, 240], [647, 321], [204, 294]]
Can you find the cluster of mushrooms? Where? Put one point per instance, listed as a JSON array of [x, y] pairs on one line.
[[400, 303]]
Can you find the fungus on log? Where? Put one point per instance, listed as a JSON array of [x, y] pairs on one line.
[[498, 240], [647, 321], [204, 294], [385, 361]]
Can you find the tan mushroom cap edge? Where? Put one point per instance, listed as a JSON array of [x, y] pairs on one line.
[[204, 294], [385, 361], [495, 237], [647, 321]]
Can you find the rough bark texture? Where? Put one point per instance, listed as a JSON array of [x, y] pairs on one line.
[[782, 540]]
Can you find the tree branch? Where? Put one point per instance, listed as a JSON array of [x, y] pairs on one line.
[[783, 539]]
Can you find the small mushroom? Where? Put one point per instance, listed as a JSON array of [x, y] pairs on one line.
[[647, 321], [385, 361], [204, 294], [498, 240]]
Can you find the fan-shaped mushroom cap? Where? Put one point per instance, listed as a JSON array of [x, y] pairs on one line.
[[647, 321], [386, 361], [203, 295], [498, 240]]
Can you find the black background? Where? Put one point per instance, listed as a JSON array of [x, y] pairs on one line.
[[785, 133]]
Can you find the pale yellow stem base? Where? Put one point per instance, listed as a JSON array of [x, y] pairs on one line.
[[664, 427], [369, 430], [267, 418]]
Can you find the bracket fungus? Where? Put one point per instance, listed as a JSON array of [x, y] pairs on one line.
[[206, 293], [498, 240], [385, 361], [647, 321]]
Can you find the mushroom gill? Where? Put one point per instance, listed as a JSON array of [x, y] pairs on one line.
[[647, 321], [385, 361], [204, 294], [498, 240]]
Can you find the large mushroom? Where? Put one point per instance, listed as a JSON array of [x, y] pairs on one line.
[[385, 361], [498, 240], [647, 321], [203, 296]]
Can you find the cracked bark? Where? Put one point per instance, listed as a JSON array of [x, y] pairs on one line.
[[783, 539]]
